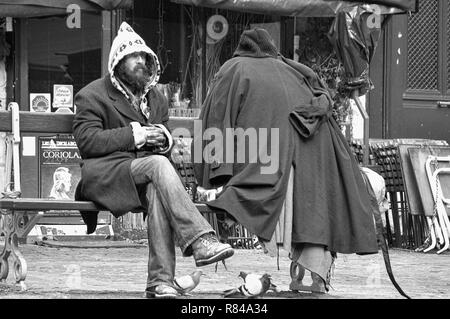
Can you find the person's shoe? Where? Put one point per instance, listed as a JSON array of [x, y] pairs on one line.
[[161, 291], [207, 250]]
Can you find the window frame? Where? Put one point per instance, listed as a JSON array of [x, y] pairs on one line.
[[443, 61], [20, 81]]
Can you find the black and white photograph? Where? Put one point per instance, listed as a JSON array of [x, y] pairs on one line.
[[225, 158]]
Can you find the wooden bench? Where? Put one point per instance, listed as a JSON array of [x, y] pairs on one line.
[[19, 215]]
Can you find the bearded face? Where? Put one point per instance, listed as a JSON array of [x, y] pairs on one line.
[[135, 70]]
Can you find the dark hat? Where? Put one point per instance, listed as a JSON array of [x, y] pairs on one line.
[[256, 43]]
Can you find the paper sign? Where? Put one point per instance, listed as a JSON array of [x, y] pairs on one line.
[[9, 24], [40, 102], [62, 96], [28, 146]]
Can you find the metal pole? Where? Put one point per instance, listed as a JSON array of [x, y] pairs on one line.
[[203, 23], [365, 116], [14, 108], [182, 55]]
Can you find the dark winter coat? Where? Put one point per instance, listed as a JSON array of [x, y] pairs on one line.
[[104, 136], [105, 139], [258, 89]]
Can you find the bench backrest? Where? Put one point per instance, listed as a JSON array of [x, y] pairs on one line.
[[60, 123], [31, 123]]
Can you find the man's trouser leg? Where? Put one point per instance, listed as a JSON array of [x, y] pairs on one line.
[[161, 245], [172, 214]]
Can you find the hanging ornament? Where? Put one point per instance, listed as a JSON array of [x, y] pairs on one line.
[[216, 28]]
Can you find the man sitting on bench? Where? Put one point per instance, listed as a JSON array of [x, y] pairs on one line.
[[120, 130]]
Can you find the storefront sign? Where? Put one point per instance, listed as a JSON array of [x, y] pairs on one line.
[[62, 96], [40, 102]]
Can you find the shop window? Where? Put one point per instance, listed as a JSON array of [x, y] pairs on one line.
[[428, 51], [58, 54], [174, 32]]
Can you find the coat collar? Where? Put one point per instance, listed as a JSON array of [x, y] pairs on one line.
[[120, 102]]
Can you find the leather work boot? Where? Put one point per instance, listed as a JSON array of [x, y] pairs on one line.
[[207, 250]]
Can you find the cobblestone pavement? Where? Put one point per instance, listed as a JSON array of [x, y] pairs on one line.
[[119, 271]]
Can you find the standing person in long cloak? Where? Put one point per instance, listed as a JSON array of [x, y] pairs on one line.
[[302, 178]]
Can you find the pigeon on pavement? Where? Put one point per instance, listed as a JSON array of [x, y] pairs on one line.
[[185, 284], [254, 286]]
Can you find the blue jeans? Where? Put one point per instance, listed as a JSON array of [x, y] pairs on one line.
[[171, 218]]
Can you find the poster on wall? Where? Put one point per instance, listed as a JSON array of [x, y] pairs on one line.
[[59, 167], [63, 98], [40, 102], [58, 176]]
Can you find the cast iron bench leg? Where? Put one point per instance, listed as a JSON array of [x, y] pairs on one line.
[[15, 225]]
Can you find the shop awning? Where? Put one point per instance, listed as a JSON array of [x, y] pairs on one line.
[[302, 8], [37, 8]]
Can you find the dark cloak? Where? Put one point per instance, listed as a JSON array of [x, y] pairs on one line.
[[257, 88]]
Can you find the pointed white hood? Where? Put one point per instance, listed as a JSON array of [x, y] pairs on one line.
[[127, 41]]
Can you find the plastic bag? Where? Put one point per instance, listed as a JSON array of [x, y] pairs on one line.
[[354, 35]]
